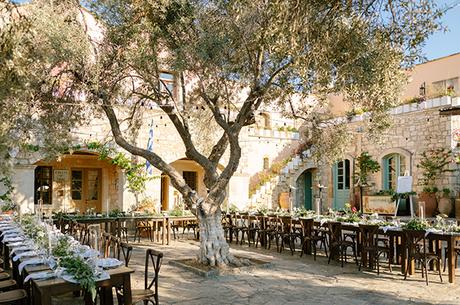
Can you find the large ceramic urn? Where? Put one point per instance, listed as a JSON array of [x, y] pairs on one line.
[[431, 203]]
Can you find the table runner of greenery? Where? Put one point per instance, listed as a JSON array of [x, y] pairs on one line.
[[64, 255], [352, 216]]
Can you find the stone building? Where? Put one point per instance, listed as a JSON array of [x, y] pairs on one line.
[[79, 180], [426, 119]]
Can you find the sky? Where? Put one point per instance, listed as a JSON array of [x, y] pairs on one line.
[[445, 43], [441, 43]]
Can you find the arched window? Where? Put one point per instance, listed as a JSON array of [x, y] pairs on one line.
[[266, 163], [394, 165]]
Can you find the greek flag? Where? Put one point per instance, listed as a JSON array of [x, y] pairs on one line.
[[148, 166]]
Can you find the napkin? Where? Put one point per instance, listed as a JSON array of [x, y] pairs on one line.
[[12, 238], [21, 248], [432, 230], [17, 243], [13, 235], [27, 253], [32, 261], [11, 231], [39, 275], [391, 228]]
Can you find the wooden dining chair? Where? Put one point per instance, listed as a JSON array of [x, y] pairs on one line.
[[125, 250], [149, 294], [370, 245], [311, 237], [272, 231], [456, 255], [337, 244], [13, 297], [7, 285], [287, 233], [143, 226], [254, 227], [240, 226], [106, 241], [418, 251], [227, 226]]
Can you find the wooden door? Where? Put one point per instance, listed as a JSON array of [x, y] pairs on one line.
[[341, 174], [86, 189], [308, 200]]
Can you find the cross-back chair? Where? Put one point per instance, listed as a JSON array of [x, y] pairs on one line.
[[418, 251], [370, 245], [149, 294], [337, 245]]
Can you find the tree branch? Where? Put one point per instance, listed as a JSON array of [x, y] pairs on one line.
[[176, 178]]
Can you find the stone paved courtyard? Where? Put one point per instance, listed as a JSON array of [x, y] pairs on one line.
[[290, 280]]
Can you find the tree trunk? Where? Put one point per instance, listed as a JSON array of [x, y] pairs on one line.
[[214, 250]]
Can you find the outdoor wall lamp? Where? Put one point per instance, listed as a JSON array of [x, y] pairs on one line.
[[422, 90]]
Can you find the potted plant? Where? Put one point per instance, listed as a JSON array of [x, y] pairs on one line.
[[433, 164], [8, 207], [445, 203], [428, 196], [366, 166]]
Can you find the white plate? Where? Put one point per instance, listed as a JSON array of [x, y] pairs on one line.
[[69, 278], [107, 263]]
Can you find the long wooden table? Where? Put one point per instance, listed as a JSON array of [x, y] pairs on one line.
[[396, 238], [161, 225], [44, 290]]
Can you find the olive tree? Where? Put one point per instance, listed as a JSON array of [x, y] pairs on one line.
[[230, 58]]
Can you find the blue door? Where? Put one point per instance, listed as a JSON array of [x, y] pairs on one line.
[[393, 167], [308, 200], [341, 177]]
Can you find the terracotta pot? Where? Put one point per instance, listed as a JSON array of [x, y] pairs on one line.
[[445, 206], [431, 203], [457, 208]]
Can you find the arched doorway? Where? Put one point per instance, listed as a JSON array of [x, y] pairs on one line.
[[341, 173], [394, 165], [193, 175], [308, 189], [304, 189]]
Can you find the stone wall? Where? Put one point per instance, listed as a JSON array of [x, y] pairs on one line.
[[257, 142]]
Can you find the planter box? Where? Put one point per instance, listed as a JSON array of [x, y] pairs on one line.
[[379, 204]]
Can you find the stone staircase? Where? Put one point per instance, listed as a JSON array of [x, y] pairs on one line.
[[268, 194]]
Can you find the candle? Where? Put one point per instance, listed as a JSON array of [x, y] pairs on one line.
[[317, 206], [49, 243], [421, 210]]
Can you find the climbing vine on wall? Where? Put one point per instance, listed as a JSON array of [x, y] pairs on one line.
[[6, 181], [135, 172]]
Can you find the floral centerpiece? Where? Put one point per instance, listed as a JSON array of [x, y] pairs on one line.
[[351, 214], [416, 224], [302, 212]]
